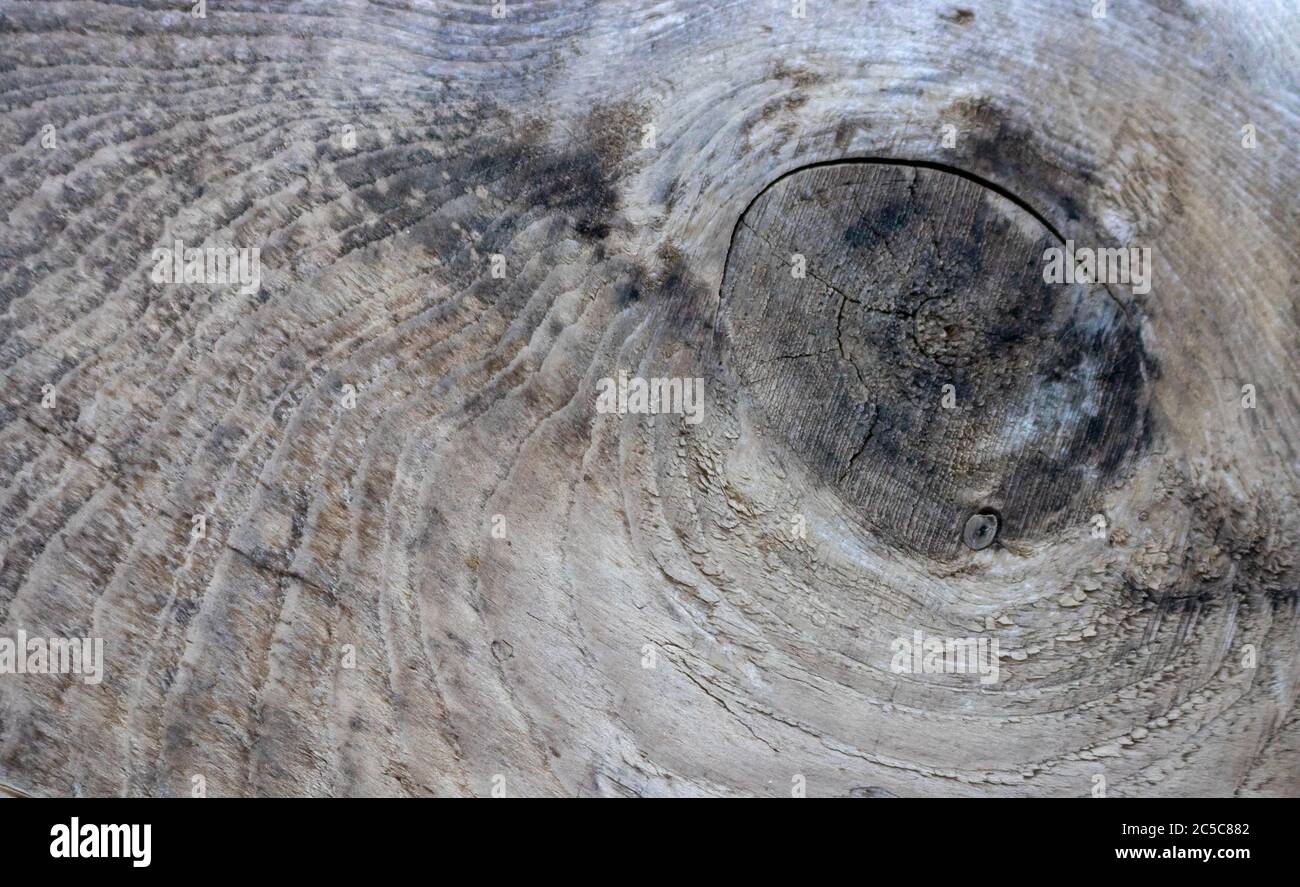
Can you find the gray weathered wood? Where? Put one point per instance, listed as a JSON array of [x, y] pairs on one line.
[[607, 152]]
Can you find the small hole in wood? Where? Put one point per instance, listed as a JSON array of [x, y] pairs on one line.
[[981, 529]]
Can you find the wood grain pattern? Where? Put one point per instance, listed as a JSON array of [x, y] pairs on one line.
[[918, 279], [608, 153]]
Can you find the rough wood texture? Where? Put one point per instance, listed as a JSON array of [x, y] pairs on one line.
[[632, 539], [919, 279]]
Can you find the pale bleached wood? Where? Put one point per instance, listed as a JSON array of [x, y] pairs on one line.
[[522, 657]]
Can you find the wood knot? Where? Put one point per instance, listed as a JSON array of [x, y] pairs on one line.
[[890, 324]]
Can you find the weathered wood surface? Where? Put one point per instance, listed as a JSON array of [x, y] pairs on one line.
[[631, 539]]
